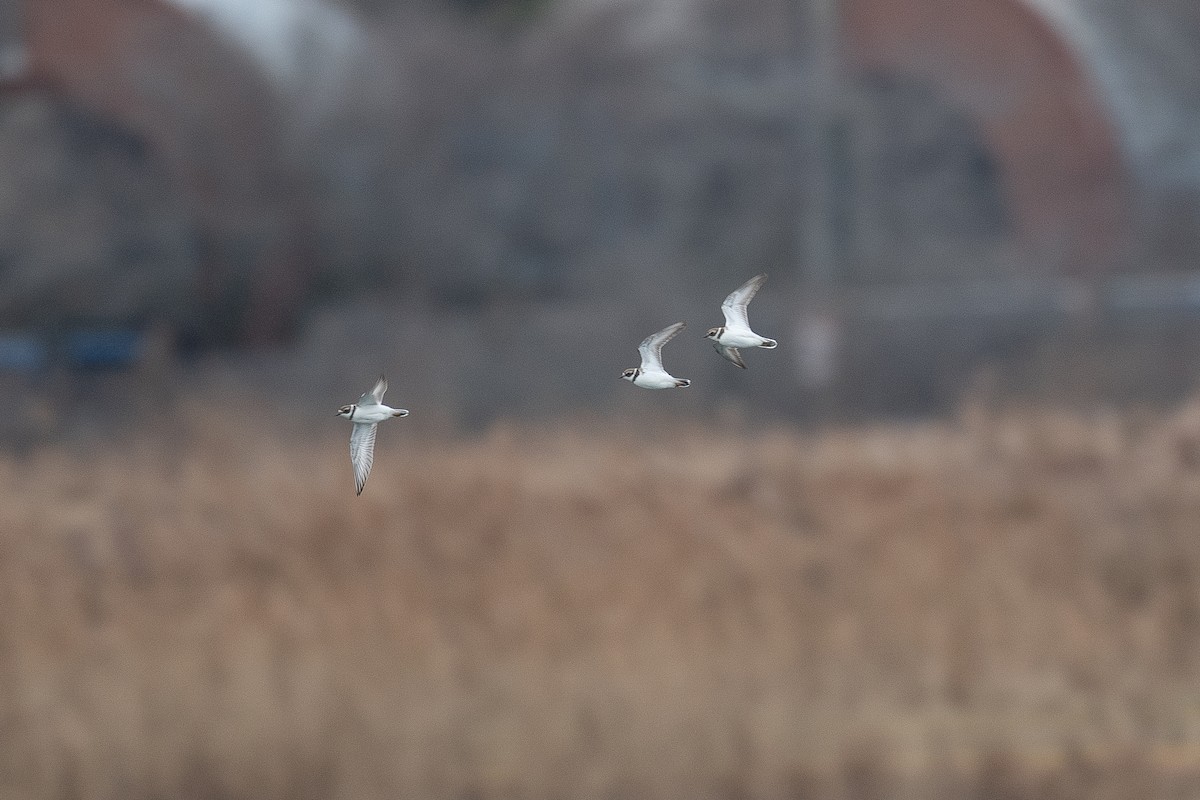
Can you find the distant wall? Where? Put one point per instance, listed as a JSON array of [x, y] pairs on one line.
[[1038, 110], [208, 118]]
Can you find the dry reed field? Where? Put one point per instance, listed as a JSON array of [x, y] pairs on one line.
[[999, 605]]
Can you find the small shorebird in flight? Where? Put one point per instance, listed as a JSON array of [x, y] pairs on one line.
[[651, 375], [736, 331], [366, 414]]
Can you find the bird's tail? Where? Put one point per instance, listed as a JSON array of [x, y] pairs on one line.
[[769, 344], [682, 382]]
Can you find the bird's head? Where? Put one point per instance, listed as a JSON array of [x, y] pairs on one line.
[[629, 374], [714, 333], [345, 411]]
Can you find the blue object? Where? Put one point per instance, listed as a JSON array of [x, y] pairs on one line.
[[23, 353], [112, 349]]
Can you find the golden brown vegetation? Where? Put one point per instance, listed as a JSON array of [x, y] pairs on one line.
[[1005, 605]]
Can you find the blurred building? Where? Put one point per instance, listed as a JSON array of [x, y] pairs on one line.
[[142, 176], [970, 140], [157, 168]]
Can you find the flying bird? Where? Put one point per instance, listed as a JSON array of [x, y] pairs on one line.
[[651, 375], [736, 331], [366, 415]]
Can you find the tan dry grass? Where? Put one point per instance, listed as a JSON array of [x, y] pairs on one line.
[[1003, 605]]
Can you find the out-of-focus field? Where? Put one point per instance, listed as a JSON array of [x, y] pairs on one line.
[[1001, 605]]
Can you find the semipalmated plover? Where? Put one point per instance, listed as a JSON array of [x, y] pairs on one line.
[[366, 414], [736, 331], [651, 375]]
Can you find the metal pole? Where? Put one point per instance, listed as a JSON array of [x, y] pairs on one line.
[[818, 117], [818, 326]]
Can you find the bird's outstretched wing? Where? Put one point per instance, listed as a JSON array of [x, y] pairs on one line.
[[375, 396], [651, 346], [734, 307], [730, 354], [362, 452]]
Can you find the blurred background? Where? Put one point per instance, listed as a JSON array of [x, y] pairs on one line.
[[429, 188], [938, 544]]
